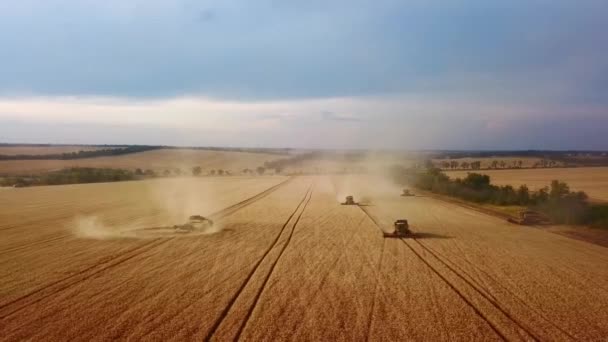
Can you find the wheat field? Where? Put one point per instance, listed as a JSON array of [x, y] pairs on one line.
[[285, 261]]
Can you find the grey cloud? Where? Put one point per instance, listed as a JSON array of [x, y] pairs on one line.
[[549, 55], [269, 49]]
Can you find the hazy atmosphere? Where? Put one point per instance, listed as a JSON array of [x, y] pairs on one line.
[[350, 74]]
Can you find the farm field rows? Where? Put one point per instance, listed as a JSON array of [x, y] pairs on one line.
[[290, 263], [592, 180]]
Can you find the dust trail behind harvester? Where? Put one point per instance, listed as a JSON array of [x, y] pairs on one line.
[[165, 204], [91, 227], [371, 179]]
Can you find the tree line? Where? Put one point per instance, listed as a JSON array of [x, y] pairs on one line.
[[75, 175], [495, 164], [81, 154], [195, 171], [79, 175], [556, 201]]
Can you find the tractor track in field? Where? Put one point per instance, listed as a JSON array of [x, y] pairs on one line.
[[217, 215], [74, 279], [370, 320], [33, 243], [447, 282], [62, 284], [475, 286], [220, 214], [492, 279], [462, 296], [493, 299], [263, 287], [482, 293], [242, 204], [218, 322]]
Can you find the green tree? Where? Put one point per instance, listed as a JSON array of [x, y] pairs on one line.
[[523, 195], [541, 195], [558, 190], [197, 170], [477, 181], [261, 170]]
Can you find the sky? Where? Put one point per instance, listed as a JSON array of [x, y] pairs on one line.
[[406, 74]]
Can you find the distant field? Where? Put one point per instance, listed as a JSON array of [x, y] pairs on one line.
[[44, 150], [592, 180], [155, 160]]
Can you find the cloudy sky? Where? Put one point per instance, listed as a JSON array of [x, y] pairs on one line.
[[432, 74]]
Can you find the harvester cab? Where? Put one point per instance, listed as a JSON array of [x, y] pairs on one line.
[[402, 230], [350, 200]]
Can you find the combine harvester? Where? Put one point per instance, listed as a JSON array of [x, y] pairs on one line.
[[529, 218], [402, 227], [195, 223], [350, 200], [402, 230]]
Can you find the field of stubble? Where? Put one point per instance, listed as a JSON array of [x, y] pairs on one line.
[[290, 263]]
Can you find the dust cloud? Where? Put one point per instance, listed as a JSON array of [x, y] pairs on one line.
[[371, 180], [91, 227], [161, 207]]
